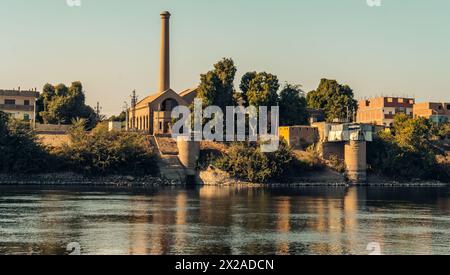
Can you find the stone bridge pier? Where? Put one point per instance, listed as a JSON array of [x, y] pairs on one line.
[[348, 142], [356, 160]]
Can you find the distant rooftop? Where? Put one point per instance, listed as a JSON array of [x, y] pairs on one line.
[[27, 93]]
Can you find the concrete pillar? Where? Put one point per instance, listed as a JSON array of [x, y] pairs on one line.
[[164, 77], [188, 153], [356, 161]]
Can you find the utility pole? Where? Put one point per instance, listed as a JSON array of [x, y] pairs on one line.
[[34, 112], [134, 100], [126, 116], [98, 110]]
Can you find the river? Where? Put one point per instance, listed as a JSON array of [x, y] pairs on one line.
[[225, 220]]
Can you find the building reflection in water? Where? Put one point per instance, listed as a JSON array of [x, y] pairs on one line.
[[226, 220], [283, 225], [139, 220], [181, 226]]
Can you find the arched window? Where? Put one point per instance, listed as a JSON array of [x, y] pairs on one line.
[[168, 105]]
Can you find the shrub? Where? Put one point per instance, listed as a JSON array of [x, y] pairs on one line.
[[19, 150], [386, 157], [443, 168], [246, 161], [103, 152], [313, 158], [337, 164]]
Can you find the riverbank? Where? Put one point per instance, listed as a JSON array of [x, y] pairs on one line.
[[73, 179], [325, 177], [209, 177]]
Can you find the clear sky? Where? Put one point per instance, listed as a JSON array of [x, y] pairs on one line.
[[112, 46]]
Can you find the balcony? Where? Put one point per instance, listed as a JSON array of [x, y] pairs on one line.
[[23, 108]]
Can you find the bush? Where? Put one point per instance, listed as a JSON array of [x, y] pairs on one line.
[[19, 150], [314, 159], [386, 157], [245, 161], [102, 152], [407, 153], [443, 130], [337, 164], [443, 168]]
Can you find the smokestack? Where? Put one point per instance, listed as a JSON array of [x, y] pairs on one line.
[[164, 77]]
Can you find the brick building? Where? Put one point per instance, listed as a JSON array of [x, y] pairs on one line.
[[381, 110], [437, 112]]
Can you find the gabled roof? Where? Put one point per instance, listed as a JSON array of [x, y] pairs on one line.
[[152, 98], [147, 100], [187, 91]]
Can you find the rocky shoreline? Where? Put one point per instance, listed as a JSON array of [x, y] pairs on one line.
[[208, 177], [73, 179]]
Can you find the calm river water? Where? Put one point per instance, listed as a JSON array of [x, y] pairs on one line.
[[225, 220]]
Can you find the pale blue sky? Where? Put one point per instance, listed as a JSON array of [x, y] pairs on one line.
[[112, 46]]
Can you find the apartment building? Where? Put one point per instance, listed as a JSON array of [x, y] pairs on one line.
[[437, 112], [382, 110], [19, 104]]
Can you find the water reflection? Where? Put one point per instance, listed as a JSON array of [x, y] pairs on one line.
[[225, 220]]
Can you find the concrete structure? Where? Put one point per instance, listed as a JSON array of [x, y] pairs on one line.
[[348, 143], [299, 136], [437, 112], [19, 104], [153, 113], [381, 110], [316, 115], [164, 71], [189, 152], [356, 160], [114, 126], [177, 159], [52, 128]]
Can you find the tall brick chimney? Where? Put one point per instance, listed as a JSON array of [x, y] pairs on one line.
[[164, 71]]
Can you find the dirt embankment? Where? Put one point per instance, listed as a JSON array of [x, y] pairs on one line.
[[53, 140]]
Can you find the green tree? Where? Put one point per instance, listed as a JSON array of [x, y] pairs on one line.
[[292, 106], [260, 90], [19, 150], [245, 87], [443, 130], [336, 100], [120, 118], [61, 90], [48, 92], [406, 152], [217, 86], [62, 105], [413, 134]]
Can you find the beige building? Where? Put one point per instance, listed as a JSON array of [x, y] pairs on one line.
[[19, 104], [299, 137], [153, 113], [382, 110], [437, 112]]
